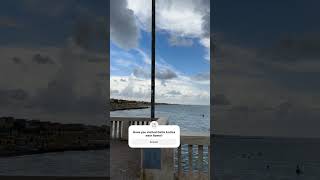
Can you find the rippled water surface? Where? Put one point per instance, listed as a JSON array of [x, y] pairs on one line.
[[70, 163], [266, 158], [94, 163], [190, 118]]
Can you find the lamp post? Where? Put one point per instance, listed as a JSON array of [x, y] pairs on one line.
[[152, 156], [153, 58]]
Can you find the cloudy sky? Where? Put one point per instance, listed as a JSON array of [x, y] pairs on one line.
[[266, 72], [182, 50], [53, 60]]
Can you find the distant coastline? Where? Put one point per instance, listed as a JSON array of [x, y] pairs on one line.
[[25, 137], [121, 104]]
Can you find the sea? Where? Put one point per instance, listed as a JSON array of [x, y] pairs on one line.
[[265, 158], [190, 118], [234, 157]]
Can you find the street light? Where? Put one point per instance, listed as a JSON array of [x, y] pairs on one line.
[[153, 58]]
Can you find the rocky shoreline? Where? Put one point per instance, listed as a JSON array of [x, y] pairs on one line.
[[24, 153], [128, 108], [120, 104], [24, 137]]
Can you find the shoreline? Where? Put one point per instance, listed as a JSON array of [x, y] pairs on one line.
[[25, 153], [128, 108], [121, 104], [24, 137]]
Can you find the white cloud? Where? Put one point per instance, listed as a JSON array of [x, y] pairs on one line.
[[206, 43], [142, 10], [187, 91], [180, 18], [179, 41], [185, 19], [177, 16]]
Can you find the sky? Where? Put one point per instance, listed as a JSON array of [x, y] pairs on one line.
[[182, 51], [266, 68], [54, 63], [53, 60]]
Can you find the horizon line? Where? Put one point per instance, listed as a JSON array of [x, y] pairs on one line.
[[169, 103]]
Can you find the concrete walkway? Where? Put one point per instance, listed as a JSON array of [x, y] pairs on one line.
[[125, 161]]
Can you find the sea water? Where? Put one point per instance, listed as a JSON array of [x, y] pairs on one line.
[[235, 157], [265, 158], [190, 118], [94, 163]]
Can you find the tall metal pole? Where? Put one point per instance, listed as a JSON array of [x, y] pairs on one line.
[[153, 58]]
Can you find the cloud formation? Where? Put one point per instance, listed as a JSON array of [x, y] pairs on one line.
[[271, 88], [165, 74], [124, 30], [201, 77], [180, 18], [184, 23], [161, 73], [9, 97], [74, 89], [179, 41], [181, 90]]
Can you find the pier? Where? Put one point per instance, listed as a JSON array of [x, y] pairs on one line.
[[126, 163]]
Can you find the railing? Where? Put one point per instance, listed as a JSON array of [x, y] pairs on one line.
[[119, 126], [195, 159]]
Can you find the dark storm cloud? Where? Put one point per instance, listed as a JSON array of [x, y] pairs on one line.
[[62, 93], [269, 67], [271, 87], [15, 94], [89, 30], [123, 26], [41, 59], [82, 33], [9, 96], [71, 34], [283, 55], [292, 49], [61, 96]]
